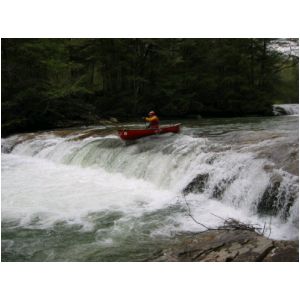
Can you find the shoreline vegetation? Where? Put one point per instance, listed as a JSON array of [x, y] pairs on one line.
[[61, 83]]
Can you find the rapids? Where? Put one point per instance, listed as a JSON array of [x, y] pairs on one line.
[[84, 195], [286, 109]]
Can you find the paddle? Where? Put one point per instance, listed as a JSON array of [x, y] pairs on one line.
[[146, 125]]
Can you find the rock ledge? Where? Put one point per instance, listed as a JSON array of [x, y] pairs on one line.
[[230, 245]]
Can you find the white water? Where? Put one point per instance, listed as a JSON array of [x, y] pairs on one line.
[[49, 180], [51, 192], [287, 109]]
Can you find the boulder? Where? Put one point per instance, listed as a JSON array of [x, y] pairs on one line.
[[197, 185], [277, 199]]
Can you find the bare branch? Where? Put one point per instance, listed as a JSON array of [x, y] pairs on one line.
[[190, 214], [228, 224]]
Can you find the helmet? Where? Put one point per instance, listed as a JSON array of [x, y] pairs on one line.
[[151, 113]]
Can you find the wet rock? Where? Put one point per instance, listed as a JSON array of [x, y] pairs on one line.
[[283, 155], [230, 245], [94, 133], [8, 146], [211, 159], [197, 185], [268, 168], [277, 199], [283, 251], [268, 202], [221, 187]]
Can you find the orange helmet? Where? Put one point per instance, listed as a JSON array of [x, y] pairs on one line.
[[151, 113]]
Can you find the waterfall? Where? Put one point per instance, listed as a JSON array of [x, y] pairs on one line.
[[285, 109], [115, 201], [172, 165]]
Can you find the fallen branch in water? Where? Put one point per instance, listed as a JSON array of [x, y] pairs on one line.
[[190, 214], [233, 224], [229, 223]]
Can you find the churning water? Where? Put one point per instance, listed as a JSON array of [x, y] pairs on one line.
[[85, 195], [285, 109]]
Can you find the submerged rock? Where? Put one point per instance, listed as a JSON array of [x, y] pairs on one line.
[[220, 188], [277, 198], [229, 245], [197, 185], [268, 203]]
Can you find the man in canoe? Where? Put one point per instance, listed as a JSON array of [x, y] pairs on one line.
[[152, 119]]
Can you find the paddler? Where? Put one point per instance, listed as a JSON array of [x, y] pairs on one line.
[[152, 119]]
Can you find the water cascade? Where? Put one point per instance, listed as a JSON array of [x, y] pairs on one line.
[[101, 199], [286, 109]]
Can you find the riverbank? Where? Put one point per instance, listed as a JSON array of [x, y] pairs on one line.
[[229, 245]]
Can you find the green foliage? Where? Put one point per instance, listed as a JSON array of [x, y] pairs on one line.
[[60, 82]]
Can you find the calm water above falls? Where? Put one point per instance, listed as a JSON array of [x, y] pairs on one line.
[[84, 195]]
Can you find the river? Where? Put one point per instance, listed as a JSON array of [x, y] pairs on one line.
[[84, 195]]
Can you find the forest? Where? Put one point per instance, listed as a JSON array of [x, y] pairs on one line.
[[52, 83]]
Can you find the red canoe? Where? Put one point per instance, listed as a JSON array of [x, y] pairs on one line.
[[132, 134]]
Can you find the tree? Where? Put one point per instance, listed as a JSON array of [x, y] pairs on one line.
[[48, 83]]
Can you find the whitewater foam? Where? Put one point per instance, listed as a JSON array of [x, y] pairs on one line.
[[286, 109], [48, 179]]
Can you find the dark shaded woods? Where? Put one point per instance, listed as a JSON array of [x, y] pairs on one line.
[[50, 83]]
